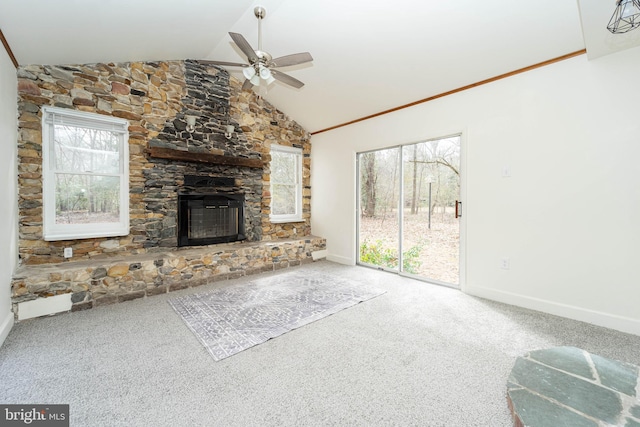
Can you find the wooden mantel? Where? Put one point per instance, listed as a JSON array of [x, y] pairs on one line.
[[212, 159]]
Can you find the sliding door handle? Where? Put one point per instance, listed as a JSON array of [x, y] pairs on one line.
[[458, 209]]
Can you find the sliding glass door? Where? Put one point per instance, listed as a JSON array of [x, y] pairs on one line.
[[407, 219]]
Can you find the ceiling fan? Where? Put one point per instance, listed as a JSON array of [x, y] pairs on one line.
[[261, 64]]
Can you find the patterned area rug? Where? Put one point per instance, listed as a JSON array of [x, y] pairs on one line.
[[232, 319]]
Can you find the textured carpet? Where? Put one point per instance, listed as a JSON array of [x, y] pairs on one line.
[[419, 355], [232, 319]]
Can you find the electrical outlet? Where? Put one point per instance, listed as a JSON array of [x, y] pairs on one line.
[[68, 252], [506, 171], [504, 263]]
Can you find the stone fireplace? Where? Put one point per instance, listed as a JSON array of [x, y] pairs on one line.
[[168, 166]]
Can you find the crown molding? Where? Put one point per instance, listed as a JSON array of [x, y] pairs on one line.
[[460, 89], [5, 43]]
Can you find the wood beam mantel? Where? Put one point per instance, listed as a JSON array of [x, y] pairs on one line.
[[212, 159]]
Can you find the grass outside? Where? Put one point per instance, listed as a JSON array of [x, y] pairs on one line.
[[433, 252]]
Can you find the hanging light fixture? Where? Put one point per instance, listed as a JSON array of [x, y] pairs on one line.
[[257, 72], [265, 74], [249, 72], [626, 17]]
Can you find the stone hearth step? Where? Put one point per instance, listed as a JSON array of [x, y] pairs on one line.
[[567, 386], [39, 290]]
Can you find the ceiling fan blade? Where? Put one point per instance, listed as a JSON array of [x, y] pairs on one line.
[[294, 59], [222, 63], [244, 46], [287, 79], [247, 85]]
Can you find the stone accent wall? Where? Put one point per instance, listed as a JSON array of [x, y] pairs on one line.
[[154, 97], [116, 279]]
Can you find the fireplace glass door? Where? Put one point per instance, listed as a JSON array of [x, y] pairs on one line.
[[208, 219]]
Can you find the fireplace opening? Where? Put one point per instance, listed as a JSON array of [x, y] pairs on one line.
[[206, 219]]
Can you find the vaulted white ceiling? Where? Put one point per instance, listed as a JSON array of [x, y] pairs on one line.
[[368, 56]]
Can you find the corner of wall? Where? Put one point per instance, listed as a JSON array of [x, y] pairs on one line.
[[340, 259], [8, 189]]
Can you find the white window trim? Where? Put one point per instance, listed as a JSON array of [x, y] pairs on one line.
[[297, 216], [52, 231]]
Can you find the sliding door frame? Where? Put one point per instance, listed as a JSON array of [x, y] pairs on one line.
[[462, 219]]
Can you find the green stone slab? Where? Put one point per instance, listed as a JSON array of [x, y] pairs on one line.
[[585, 397], [616, 375], [631, 423], [568, 359], [512, 386], [535, 411], [635, 411]]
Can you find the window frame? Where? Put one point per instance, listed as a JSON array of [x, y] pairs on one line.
[[297, 216], [51, 231]]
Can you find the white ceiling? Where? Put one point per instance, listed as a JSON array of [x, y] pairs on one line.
[[368, 56]]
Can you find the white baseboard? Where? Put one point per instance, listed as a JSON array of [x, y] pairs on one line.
[[607, 320], [5, 327], [340, 259]]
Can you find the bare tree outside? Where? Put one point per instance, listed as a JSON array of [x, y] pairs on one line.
[[368, 189], [283, 183], [87, 165], [431, 182]]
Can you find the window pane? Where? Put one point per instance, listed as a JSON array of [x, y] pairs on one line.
[[379, 224], [86, 150], [82, 199], [283, 168], [283, 199]]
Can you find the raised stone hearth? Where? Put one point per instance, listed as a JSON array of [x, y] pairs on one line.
[[83, 285], [567, 386]]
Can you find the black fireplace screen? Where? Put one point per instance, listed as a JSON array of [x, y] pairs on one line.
[[205, 219]]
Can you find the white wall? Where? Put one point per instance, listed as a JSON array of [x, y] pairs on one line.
[[568, 217], [8, 191]]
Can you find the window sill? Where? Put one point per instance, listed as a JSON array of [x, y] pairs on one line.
[[76, 235], [284, 220]]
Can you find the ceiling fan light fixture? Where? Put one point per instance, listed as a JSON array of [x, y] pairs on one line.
[[625, 17], [265, 73], [255, 80], [249, 72]]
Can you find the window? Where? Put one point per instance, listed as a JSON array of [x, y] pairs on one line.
[[286, 184], [85, 175]]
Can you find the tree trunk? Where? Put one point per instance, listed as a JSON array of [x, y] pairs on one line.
[[369, 184], [414, 193]]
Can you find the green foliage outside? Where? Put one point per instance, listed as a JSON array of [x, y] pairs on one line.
[[377, 254]]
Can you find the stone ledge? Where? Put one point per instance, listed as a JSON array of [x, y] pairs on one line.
[[108, 280], [567, 386]]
